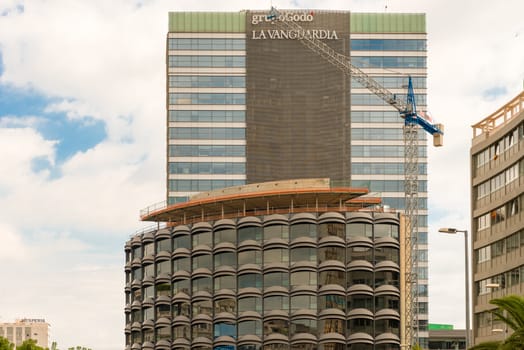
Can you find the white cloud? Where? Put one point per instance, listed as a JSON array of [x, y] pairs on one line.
[[73, 109], [10, 121], [12, 248]]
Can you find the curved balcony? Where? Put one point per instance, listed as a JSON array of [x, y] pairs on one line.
[[180, 343], [163, 344], [162, 256], [360, 338]]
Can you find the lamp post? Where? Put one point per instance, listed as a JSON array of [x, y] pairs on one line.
[[504, 330], [466, 263]]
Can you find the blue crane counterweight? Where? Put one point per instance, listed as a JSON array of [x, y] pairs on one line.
[[411, 116]]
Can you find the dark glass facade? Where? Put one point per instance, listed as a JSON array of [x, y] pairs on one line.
[[298, 107]]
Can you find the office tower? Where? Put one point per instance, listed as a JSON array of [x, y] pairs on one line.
[[278, 265], [497, 163], [248, 103]]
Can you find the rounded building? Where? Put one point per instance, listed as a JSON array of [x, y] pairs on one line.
[[275, 266]]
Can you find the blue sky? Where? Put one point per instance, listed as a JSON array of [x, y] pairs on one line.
[[73, 135], [82, 128]]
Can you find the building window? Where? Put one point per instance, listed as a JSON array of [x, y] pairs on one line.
[[225, 305], [206, 44], [181, 264], [388, 45], [332, 229], [250, 327], [250, 304], [181, 286], [276, 232], [202, 284], [163, 245], [484, 254], [181, 308], [203, 262], [303, 254], [204, 307], [163, 267], [276, 326], [195, 81], [225, 282], [202, 330], [225, 259], [228, 329], [498, 215], [303, 230], [303, 325], [303, 278], [331, 325], [207, 151], [332, 301], [206, 61], [386, 230], [202, 238], [513, 207], [331, 253], [207, 133], [250, 257], [182, 242], [276, 303], [253, 233], [276, 255], [389, 61], [276, 279], [359, 230], [483, 222], [331, 277]]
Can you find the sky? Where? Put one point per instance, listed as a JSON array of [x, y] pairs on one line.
[[82, 143]]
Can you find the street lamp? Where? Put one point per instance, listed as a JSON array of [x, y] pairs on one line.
[[466, 256], [497, 330]]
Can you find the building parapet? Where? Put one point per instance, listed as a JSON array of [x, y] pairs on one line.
[[503, 115]]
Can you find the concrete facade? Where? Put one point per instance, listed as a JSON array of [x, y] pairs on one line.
[[497, 168]]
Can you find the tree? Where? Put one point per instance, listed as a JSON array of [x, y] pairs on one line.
[[5, 344], [511, 312], [29, 344]]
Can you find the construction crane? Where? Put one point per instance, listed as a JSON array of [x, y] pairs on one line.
[[412, 122]]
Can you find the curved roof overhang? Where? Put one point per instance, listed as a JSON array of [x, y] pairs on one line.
[[284, 197]]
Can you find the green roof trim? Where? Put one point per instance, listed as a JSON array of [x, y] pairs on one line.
[[440, 327], [388, 22], [207, 22]]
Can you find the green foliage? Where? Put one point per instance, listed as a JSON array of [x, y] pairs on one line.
[[5, 344], [488, 345], [29, 344], [416, 347], [511, 312]]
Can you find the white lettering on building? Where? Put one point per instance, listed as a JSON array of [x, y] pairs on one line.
[[285, 17], [294, 34]]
